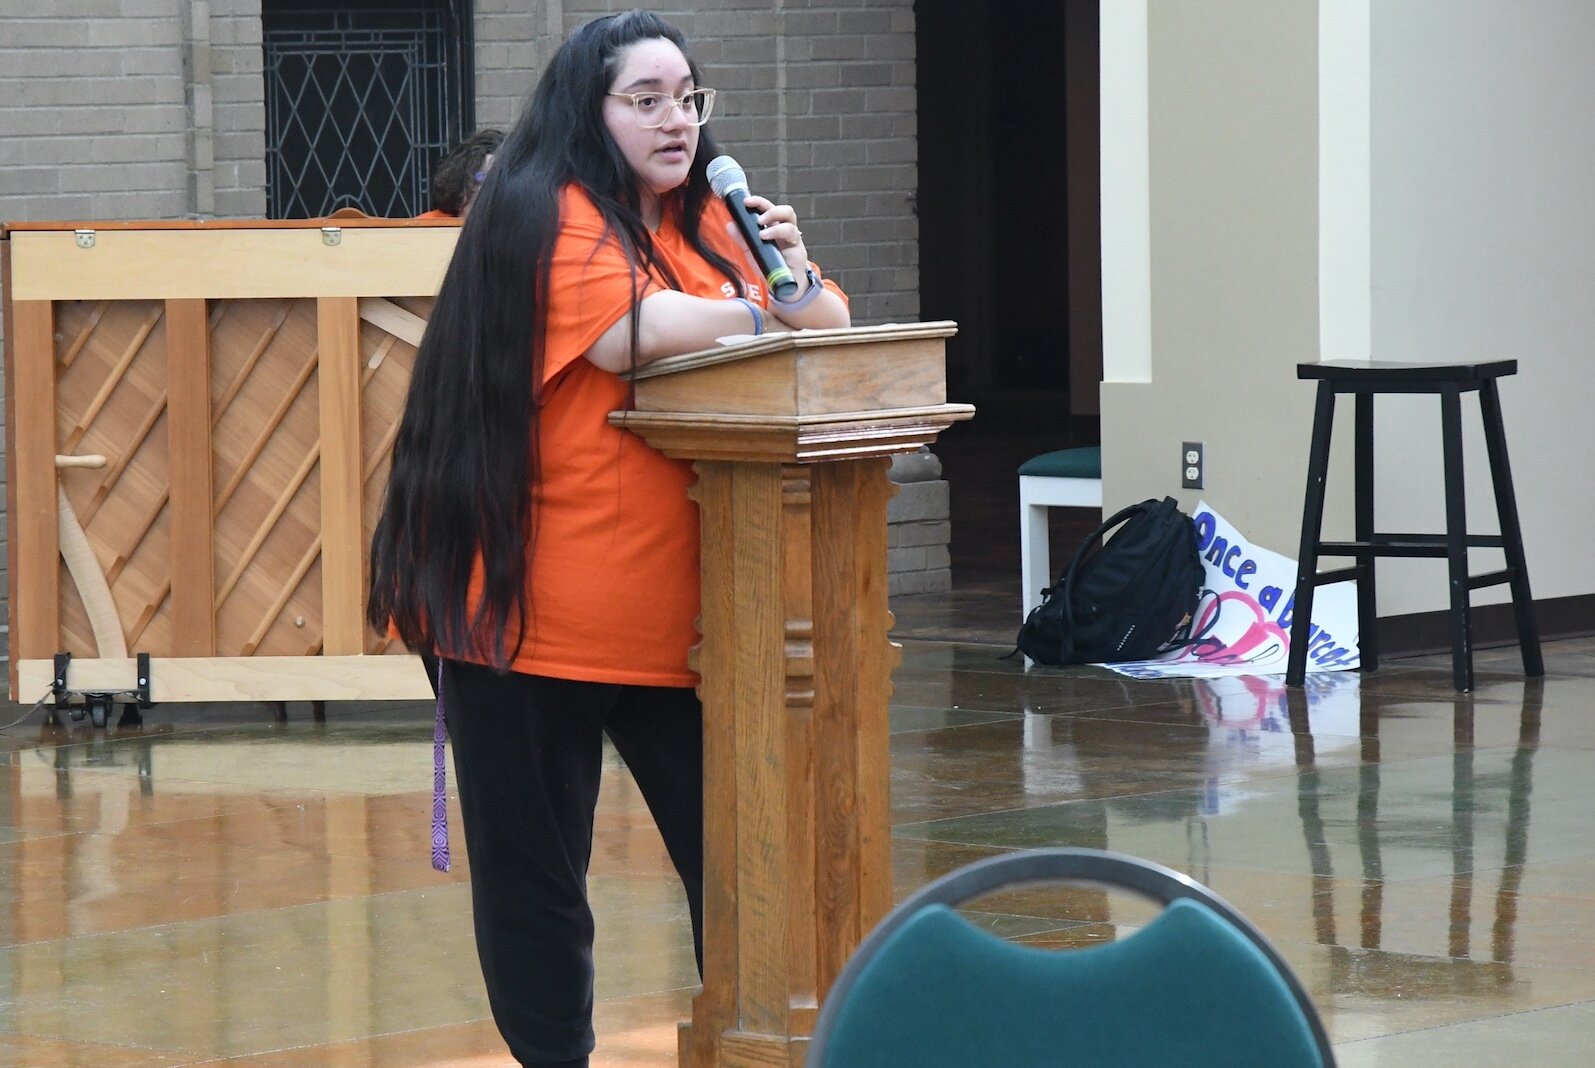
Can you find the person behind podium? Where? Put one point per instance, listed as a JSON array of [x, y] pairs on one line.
[[548, 558]]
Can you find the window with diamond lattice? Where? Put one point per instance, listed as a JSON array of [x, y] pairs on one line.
[[362, 98]]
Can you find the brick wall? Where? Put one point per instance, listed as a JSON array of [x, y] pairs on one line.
[[513, 39], [238, 112], [92, 110], [107, 110]]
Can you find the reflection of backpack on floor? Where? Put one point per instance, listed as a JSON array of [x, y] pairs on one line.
[[1128, 597]]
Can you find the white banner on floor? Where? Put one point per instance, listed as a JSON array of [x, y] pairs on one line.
[[1242, 624]]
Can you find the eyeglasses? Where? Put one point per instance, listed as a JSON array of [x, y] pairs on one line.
[[653, 109]]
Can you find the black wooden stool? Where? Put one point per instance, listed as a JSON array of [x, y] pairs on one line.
[[1450, 381]]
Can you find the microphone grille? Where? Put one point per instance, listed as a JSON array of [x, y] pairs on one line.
[[726, 174]]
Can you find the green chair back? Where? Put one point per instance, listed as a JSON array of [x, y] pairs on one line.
[[1197, 987]]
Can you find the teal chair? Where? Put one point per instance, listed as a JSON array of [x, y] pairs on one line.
[[1197, 986]]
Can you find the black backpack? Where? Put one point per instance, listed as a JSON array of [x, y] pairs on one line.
[[1129, 600]]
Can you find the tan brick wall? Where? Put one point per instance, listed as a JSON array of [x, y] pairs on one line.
[[512, 41], [108, 110], [239, 112]]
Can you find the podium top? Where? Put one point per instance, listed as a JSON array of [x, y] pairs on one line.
[[769, 344], [802, 397]]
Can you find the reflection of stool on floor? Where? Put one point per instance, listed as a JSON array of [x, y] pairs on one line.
[[1450, 381], [1068, 478]]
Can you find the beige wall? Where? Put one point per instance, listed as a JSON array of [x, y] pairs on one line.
[[1483, 231], [1403, 181], [1231, 296]]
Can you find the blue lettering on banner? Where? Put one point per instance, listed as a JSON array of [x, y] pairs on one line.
[[1232, 561], [1322, 648], [1219, 551]]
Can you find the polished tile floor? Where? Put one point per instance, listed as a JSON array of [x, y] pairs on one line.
[[221, 886]]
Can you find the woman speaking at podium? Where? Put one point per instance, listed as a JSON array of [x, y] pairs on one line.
[[547, 559]]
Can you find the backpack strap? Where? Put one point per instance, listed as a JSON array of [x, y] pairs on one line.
[[1065, 588]]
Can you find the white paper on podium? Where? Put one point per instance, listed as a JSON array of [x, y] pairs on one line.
[[738, 339]]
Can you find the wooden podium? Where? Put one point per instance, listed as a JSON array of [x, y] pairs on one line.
[[791, 437]]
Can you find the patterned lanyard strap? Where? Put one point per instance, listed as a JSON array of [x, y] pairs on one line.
[[440, 801]]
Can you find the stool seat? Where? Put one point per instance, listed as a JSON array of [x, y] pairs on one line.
[[1064, 478], [1449, 381], [1386, 372]]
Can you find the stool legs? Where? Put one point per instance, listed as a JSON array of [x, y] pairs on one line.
[[1312, 521], [1367, 589], [1528, 635], [1456, 537]]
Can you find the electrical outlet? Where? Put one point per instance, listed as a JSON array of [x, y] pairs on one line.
[[1193, 465]]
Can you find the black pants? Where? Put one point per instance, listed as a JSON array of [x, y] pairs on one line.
[[528, 752]]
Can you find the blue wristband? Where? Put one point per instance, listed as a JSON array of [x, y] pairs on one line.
[[808, 296], [756, 312]]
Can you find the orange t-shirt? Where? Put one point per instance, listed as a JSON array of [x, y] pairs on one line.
[[436, 213], [613, 568]]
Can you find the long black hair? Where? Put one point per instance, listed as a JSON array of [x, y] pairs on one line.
[[466, 455]]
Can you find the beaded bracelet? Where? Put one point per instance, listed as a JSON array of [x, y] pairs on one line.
[[806, 299], [758, 315]]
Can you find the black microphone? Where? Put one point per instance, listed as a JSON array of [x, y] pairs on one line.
[[730, 183]]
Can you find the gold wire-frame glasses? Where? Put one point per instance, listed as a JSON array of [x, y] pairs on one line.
[[653, 109]]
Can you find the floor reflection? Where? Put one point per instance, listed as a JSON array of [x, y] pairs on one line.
[[1487, 856], [229, 885]]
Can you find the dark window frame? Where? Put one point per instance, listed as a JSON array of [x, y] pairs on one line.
[[362, 98]]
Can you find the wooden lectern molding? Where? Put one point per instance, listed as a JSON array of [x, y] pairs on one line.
[[794, 339], [792, 439]]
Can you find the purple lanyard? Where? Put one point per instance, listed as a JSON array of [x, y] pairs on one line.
[[440, 800]]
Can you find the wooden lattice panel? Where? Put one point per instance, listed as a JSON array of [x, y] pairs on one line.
[[111, 401], [112, 367], [266, 443], [385, 381]]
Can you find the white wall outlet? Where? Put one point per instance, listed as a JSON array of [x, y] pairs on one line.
[[1193, 465]]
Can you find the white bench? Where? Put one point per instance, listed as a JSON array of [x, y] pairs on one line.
[[1068, 478]]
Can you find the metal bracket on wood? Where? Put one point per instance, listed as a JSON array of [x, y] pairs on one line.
[[58, 684], [143, 691], [139, 692]]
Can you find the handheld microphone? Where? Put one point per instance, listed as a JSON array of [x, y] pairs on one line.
[[730, 183]]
